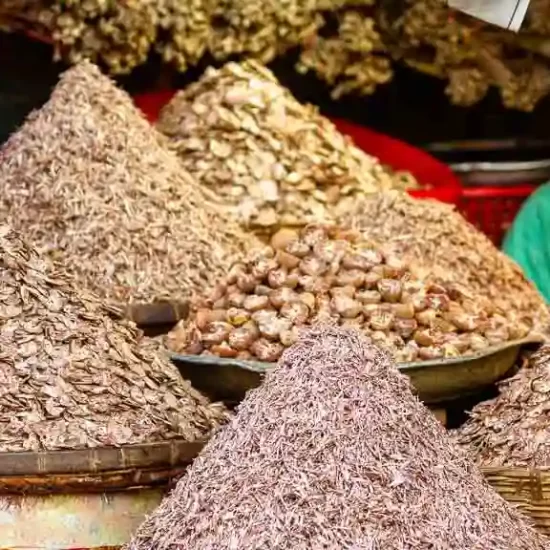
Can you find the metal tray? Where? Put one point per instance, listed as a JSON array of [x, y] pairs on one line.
[[436, 381]]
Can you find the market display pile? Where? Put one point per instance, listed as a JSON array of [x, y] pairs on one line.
[[333, 451], [88, 181], [275, 161], [512, 430], [349, 44], [71, 377], [324, 275], [440, 244]]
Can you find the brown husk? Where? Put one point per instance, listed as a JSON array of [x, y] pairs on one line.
[[87, 180], [275, 161], [334, 451], [514, 428], [72, 377], [440, 243]]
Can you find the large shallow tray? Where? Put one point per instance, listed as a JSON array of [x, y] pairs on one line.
[[436, 381]]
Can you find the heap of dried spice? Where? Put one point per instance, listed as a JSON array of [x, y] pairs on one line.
[[322, 274], [514, 428], [276, 161], [72, 377], [334, 451], [88, 181], [438, 242]]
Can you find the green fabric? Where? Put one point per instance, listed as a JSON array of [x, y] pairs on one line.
[[528, 240]]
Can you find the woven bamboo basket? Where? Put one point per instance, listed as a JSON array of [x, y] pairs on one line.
[[526, 489]]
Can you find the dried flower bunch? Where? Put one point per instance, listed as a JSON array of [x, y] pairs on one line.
[[514, 428], [473, 56], [325, 275], [89, 182], [276, 161], [72, 377], [334, 451], [439, 243]]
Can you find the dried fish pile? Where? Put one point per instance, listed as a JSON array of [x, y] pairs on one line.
[[438, 242], [324, 275], [72, 377], [514, 428], [242, 134], [88, 181], [334, 451]]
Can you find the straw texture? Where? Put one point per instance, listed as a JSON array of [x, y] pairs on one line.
[[333, 451]]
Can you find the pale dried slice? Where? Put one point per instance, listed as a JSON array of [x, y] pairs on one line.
[[87, 180], [272, 159], [71, 377], [333, 451]]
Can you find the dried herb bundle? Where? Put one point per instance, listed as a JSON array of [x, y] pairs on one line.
[[334, 451], [514, 428], [241, 133], [72, 377], [88, 181], [438, 242], [325, 275]]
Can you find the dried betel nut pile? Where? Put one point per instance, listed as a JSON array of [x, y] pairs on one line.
[[323, 274]]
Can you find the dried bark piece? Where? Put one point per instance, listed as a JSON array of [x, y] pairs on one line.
[[332, 451], [89, 183], [73, 377]]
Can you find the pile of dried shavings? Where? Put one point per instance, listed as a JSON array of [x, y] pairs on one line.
[[435, 238], [514, 428], [334, 451], [71, 377], [87, 180]]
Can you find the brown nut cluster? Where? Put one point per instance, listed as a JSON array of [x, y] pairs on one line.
[[323, 274], [270, 159]]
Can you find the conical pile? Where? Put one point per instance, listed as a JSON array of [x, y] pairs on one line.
[[87, 180], [437, 240], [71, 377], [514, 428], [276, 161], [334, 451]]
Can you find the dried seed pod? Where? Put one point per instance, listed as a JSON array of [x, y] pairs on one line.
[[286, 260], [345, 306], [477, 342], [216, 333], [313, 235], [409, 353], [283, 237], [277, 277], [438, 302], [281, 296], [272, 328], [450, 351], [368, 296], [289, 337], [262, 267], [262, 290], [296, 311], [390, 290], [419, 302], [223, 350], [256, 303], [317, 285], [348, 291], [381, 321], [430, 353], [246, 282], [518, 330], [405, 327], [372, 278], [404, 311], [241, 338], [203, 317], [426, 337], [313, 266], [234, 271], [266, 350], [356, 260], [427, 317], [497, 335], [394, 268], [350, 277], [308, 299], [237, 316], [331, 251], [463, 321], [297, 248]]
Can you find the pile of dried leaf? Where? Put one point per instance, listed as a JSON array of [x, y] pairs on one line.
[[514, 428], [279, 163], [323, 274], [87, 180], [334, 451], [71, 377], [440, 243]]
